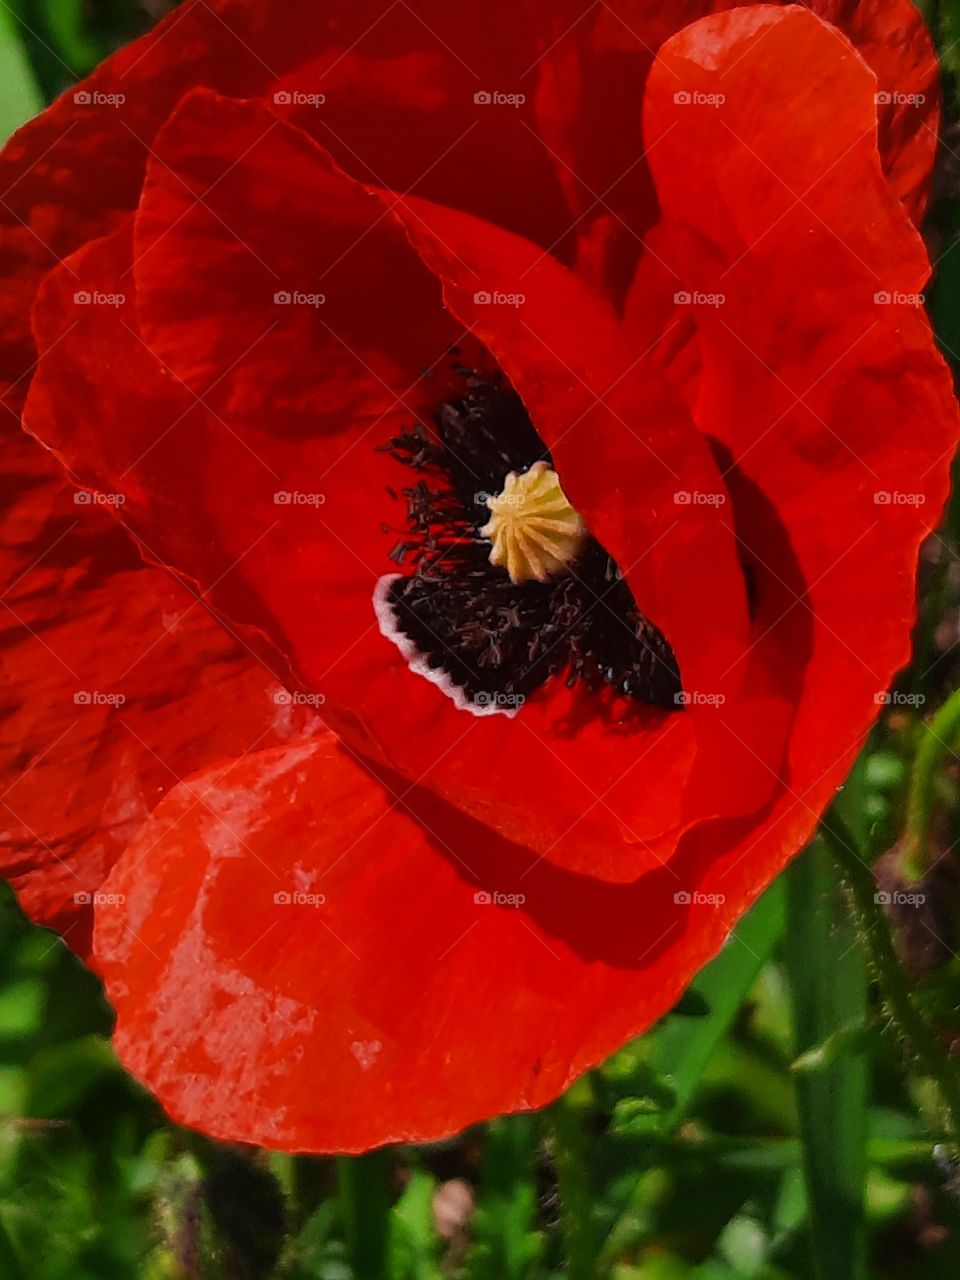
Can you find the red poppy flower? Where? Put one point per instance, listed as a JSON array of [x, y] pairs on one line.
[[435, 836]]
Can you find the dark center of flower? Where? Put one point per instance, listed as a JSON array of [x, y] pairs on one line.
[[504, 586]]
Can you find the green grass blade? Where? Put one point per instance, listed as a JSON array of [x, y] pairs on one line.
[[20, 97], [364, 1197], [829, 988], [680, 1049]]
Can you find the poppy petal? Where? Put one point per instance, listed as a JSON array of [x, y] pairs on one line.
[[595, 72], [118, 684], [409, 95], [315, 958], [603, 818], [820, 372]]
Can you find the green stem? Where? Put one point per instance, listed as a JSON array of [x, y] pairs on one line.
[[936, 742], [933, 1059], [571, 1159], [364, 1194]]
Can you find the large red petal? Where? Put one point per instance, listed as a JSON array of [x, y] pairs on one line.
[[308, 957], [591, 95], [398, 88], [298, 397], [117, 683], [820, 372]]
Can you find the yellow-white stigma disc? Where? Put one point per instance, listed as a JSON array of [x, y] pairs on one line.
[[535, 531]]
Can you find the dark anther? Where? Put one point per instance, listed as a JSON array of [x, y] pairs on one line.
[[492, 636]]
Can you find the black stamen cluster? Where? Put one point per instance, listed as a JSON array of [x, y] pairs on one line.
[[495, 638]]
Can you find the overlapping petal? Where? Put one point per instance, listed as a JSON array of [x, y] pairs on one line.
[[398, 89], [117, 683], [293, 398], [820, 373], [389, 90], [348, 961], [590, 102]]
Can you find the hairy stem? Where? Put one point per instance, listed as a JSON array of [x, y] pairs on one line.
[[933, 1059], [937, 742]]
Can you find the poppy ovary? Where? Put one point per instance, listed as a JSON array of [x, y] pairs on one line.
[[535, 531]]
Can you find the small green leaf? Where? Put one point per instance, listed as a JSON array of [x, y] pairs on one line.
[[20, 97], [507, 1243], [414, 1243]]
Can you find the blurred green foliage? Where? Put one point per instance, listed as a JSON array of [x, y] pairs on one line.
[[691, 1154]]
